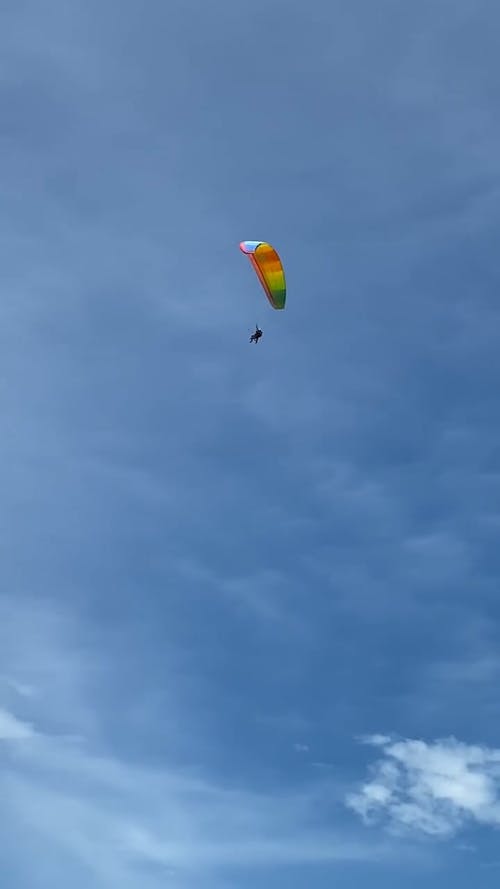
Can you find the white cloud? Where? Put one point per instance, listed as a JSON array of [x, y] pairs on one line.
[[431, 788], [375, 740]]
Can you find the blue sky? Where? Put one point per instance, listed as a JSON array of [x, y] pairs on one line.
[[249, 596]]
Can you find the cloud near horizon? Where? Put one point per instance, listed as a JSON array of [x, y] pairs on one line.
[[434, 788]]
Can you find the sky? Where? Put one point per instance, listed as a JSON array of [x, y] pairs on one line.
[[249, 595]]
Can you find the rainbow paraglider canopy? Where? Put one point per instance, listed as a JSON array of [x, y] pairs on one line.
[[269, 268]]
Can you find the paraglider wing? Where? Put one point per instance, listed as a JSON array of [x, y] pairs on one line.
[[268, 267]]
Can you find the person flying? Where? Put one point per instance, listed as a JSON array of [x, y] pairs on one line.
[[257, 335]]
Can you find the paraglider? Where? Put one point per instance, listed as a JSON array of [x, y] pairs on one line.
[[269, 269]]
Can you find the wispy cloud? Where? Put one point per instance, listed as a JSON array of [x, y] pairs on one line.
[[71, 794], [113, 816], [13, 729]]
